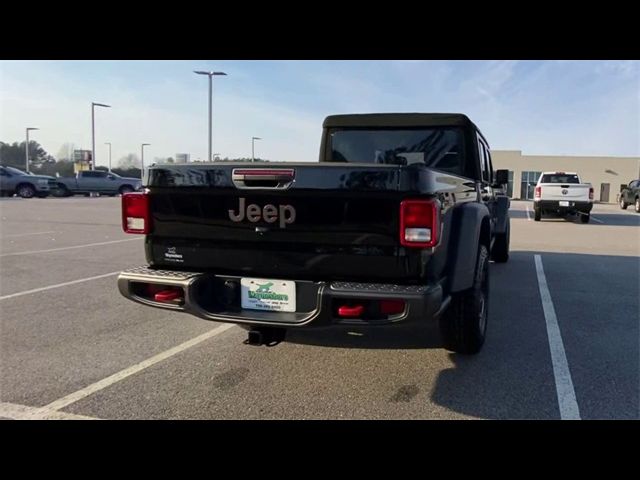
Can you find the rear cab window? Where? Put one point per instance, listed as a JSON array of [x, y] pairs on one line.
[[559, 178], [438, 148]]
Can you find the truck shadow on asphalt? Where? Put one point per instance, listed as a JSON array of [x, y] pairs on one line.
[[616, 219], [630, 219], [512, 377], [391, 338], [599, 219]]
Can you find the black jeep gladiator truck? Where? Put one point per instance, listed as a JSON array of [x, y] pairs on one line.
[[395, 224]]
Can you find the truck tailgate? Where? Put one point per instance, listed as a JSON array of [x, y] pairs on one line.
[[576, 192], [334, 220]]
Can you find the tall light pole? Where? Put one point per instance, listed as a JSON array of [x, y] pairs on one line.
[[109, 143], [211, 75], [26, 148], [93, 132], [142, 158], [253, 140]]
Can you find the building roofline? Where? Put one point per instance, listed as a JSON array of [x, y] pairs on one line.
[[567, 156]]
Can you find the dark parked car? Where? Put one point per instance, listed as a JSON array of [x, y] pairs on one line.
[[396, 224], [630, 195], [26, 185]]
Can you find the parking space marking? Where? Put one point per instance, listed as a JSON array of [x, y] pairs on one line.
[[69, 248], [528, 213], [57, 285], [564, 385], [23, 412], [12, 235], [127, 372], [596, 220]]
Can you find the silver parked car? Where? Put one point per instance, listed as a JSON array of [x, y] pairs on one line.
[[98, 181], [27, 185]]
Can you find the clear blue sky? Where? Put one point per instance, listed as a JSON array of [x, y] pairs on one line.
[[539, 107]]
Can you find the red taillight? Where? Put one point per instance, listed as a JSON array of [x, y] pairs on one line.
[[419, 223], [136, 217], [590, 193], [538, 193]]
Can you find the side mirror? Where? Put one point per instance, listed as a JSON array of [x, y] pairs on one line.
[[501, 177]]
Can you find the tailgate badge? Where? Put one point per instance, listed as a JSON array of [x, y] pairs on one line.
[[285, 214], [565, 191]]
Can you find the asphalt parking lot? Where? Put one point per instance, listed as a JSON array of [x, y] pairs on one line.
[[563, 335]]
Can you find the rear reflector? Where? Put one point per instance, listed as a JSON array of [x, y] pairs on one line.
[[419, 223], [350, 311], [136, 217], [391, 307]]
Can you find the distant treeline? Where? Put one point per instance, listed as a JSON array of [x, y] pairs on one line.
[[42, 163]]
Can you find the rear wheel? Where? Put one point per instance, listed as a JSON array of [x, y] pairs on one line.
[[25, 190], [464, 324], [584, 217], [125, 189], [623, 204], [537, 214], [61, 191], [500, 250]]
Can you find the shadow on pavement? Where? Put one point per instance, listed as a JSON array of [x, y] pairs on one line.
[[512, 377], [617, 220], [398, 337], [597, 312]]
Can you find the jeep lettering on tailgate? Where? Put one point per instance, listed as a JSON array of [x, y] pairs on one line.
[[270, 213]]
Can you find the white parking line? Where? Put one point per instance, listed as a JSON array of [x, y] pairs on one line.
[[596, 220], [57, 285], [528, 213], [23, 412], [69, 248], [13, 235], [127, 372], [564, 385]]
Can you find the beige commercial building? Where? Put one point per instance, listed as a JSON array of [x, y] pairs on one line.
[[606, 174]]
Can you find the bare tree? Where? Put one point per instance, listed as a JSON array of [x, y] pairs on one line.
[[66, 151], [129, 161]]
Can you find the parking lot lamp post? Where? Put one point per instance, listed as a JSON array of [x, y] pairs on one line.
[[142, 158], [93, 132], [109, 143], [26, 148], [253, 141], [211, 75]]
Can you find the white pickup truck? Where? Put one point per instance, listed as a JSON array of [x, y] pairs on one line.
[[562, 193]]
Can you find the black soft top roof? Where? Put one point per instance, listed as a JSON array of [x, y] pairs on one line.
[[398, 120]]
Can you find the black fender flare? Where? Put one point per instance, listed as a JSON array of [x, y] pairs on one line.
[[471, 226]]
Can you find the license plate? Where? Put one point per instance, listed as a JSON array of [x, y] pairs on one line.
[[271, 295], [564, 204]]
